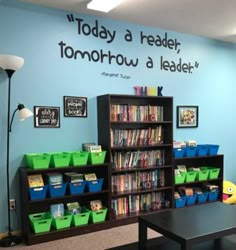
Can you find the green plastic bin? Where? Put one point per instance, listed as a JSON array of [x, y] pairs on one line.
[[40, 222], [203, 174], [99, 215], [214, 172], [60, 159], [62, 222], [79, 158], [191, 176], [97, 158], [180, 178], [81, 218], [37, 160]]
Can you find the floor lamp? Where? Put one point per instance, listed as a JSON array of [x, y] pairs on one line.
[[10, 64]]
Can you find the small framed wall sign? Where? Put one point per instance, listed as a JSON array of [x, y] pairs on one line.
[[187, 116], [75, 106], [46, 117]]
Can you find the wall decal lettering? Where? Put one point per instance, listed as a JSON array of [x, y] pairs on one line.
[[160, 42], [148, 91], [96, 56], [96, 30], [108, 35], [115, 75], [177, 66]]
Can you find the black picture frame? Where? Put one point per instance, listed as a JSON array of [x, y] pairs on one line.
[[187, 116], [75, 106], [46, 117]]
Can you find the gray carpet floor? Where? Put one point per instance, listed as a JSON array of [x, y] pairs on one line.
[[100, 240], [123, 238], [162, 243]]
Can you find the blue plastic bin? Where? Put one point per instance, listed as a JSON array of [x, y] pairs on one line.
[[191, 200], [213, 195], [202, 198], [95, 186], [57, 190], [37, 193], [77, 188], [202, 150], [191, 151], [179, 152], [180, 202], [213, 149]]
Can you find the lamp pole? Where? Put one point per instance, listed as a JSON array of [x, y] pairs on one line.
[[9, 73], [10, 64], [10, 240]]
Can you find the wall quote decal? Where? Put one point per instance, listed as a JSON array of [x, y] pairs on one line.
[[98, 31]]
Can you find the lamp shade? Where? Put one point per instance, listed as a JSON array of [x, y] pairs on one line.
[[11, 62], [24, 112]]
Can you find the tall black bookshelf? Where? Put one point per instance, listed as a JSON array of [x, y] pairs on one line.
[[137, 133]]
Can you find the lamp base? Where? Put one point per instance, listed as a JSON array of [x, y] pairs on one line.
[[10, 241]]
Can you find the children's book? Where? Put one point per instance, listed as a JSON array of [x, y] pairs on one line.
[[57, 210], [182, 168], [96, 205], [74, 207], [86, 145], [35, 180], [74, 177], [90, 177], [95, 148], [54, 178]]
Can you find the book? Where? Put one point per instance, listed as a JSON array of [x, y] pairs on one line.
[[95, 205], [35, 180], [112, 138], [86, 145], [74, 207], [54, 178], [211, 187], [122, 183], [95, 148], [182, 168], [73, 177], [141, 137], [57, 210], [90, 177], [113, 115]]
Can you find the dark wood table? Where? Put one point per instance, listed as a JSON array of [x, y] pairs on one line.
[[191, 225]]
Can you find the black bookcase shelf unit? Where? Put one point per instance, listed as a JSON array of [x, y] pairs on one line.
[[29, 206], [215, 161], [137, 133]]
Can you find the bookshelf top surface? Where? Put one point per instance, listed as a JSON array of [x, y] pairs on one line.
[[133, 96]]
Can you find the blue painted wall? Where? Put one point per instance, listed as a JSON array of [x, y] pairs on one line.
[[35, 33]]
